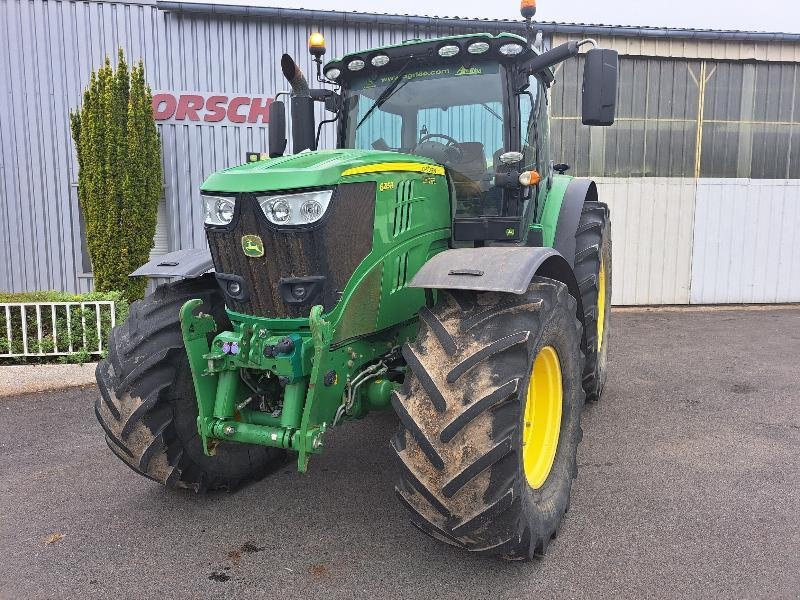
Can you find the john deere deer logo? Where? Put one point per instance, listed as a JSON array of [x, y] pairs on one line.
[[252, 246]]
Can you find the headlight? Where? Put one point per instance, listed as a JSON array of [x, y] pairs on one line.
[[511, 49], [311, 211], [218, 209], [478, 47], [449, 50], [356, 65], [278, 211], [295, 209]]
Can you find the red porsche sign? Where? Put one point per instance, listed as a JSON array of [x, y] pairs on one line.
[[209, 107]]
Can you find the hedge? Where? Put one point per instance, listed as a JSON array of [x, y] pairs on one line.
[[80, 353]]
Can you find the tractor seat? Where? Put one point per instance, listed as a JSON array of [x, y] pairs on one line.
[[473, 161], [470, 180]]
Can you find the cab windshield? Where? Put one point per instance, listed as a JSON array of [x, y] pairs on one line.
[[451, 114]]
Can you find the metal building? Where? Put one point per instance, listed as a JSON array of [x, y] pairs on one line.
[[702, 169]]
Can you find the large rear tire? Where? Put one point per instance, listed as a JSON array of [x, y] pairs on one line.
[[477, 470], [593, 272], [147, 406]]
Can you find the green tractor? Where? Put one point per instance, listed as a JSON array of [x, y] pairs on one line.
[[436, 263]]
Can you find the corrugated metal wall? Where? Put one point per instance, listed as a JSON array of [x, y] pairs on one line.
[[746, 245], [680, 236], [695, 48], [652, 260], [47, 52], [666, 222], [685, 118], [704, 241], [656, 128]]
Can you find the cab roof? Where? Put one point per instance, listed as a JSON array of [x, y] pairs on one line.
[[428, 48]]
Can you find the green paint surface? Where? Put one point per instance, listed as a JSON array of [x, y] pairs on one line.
[[552, 207], [307, 169]]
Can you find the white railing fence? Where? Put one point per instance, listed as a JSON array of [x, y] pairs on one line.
[[55, 328]]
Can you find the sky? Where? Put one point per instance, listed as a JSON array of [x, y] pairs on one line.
[[764, 15]]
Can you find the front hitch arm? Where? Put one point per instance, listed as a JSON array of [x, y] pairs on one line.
[[309, 438], [195, 330], [302, 424]]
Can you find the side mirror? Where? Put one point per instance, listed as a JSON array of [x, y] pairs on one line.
[[333, 103], [303, 129], [277, 129], [331, 99], [599, 96]]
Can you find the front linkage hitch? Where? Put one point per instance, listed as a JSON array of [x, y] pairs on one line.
[[318, 384]]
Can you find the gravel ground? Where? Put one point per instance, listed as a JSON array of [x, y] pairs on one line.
[[688, 486]]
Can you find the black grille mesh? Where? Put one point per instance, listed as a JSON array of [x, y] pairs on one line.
[[332, 248]]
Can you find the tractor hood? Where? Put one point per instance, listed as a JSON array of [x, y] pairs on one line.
[[313, 169]]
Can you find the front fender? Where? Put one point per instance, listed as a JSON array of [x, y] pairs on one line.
[[497, 269], [187, 264], [492, 269]]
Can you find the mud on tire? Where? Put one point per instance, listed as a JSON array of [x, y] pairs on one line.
[[459, 444], [147, 406], [593, 248]]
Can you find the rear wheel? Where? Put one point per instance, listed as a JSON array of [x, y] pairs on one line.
[[593, 272], [147, 406], [490, 419]]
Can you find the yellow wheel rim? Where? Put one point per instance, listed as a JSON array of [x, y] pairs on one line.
[[601, 303], [542, 417]]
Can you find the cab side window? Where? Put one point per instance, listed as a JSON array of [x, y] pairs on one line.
[[535, 127]]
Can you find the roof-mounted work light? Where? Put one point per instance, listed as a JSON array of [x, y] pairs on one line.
[[316, 44], [316, 47], [527, 8]]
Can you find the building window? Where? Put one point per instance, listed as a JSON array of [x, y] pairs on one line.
[[748, 125]]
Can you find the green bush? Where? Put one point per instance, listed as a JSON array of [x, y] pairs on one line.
[[83, 322], [119, 174]]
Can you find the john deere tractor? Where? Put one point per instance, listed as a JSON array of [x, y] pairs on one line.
[[436, 263]]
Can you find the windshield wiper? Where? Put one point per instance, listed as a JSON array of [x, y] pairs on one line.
[[385, 94], [493, 112]]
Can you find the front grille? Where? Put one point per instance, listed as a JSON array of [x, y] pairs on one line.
[[332, 248]]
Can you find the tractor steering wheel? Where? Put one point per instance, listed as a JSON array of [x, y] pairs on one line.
[[439, 152]]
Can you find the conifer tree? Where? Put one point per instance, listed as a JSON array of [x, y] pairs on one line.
[[120, 177]]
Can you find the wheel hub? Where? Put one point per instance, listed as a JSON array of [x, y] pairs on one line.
[[601, 303], [542, 417]]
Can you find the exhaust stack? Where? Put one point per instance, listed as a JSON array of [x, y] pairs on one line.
[[303, 134], [294, 76]]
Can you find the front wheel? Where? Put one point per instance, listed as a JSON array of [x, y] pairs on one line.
[[490, 418], [147, 406]]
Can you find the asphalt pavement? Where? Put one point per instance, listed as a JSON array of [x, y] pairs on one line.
[[688, 486]]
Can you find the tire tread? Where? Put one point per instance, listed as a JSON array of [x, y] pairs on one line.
[[141, 381]]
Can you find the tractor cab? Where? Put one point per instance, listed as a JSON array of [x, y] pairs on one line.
[[476, 104], [450, 101]]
